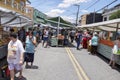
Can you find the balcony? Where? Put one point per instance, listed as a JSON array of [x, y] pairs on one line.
[[13, 5]]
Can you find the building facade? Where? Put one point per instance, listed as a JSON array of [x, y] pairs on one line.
[[83, 19], [91, 18], [29, 11], [18, 6], [107, 12], [14, 13]]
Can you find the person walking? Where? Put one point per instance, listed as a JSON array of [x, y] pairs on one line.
[[15, 56], [115, 53], [22, 34], [45, 37], [30, 49], [72, 34], [78, 38]]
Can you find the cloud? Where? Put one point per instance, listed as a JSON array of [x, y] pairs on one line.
[[84, 11], [69, 19], [55, 12], [68, 3]]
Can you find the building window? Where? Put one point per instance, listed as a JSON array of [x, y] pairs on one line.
[[105, 19]]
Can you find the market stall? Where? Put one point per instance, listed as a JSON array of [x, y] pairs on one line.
[[109, 30], [8, 19], [60, 40]]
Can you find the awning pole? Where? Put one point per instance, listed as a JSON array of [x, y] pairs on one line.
[[20, 22], [0, 21], [116, 30], [1, 26], [58, 25]]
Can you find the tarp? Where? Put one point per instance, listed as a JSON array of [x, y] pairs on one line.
[[10, 18], [110, 25], [63, 23]]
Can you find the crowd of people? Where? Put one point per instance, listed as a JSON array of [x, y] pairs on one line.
[[21, 48]]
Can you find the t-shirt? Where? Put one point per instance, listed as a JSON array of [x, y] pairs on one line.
[[94, 41], [46, 33], [30, 47], [34, 33], [79, 36], [15, 49]]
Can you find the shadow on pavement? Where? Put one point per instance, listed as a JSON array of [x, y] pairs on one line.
[[16, 78], [69, 44], [107, 61], [23, 78], [33, 67]]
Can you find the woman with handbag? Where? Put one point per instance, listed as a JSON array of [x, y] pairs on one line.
[[115, 53]]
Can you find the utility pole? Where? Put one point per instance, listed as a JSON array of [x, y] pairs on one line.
[[77, 15], [94, 16]]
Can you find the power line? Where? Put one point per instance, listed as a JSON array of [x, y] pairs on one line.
[[106, 5], [92, 4]]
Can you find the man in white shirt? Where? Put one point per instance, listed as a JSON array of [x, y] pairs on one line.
[[15, 55]]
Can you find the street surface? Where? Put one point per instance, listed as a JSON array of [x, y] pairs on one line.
[[63, 63]]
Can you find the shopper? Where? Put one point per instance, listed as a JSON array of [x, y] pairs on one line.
[[78, 39], [94, 44], [45, 37], [22, 34], [15, 56], [115, 53], [72, 34], [30, 49]]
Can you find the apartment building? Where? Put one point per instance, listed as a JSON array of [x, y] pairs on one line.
[[91, 18], [107, 12]]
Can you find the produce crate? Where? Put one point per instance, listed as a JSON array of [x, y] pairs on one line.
[[54, 41]]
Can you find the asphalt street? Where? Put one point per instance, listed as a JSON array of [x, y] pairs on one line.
[[51, 64], [60, 63]]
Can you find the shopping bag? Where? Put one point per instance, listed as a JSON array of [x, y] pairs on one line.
[[115, 49], [118, 52]]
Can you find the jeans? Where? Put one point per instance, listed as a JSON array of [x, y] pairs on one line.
[[78, 44]]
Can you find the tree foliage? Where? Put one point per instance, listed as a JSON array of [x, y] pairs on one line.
[[115, 15]]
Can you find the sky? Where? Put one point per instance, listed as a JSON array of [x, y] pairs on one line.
[[67, 9]]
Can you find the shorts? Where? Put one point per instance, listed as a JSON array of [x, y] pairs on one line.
[[29, 57], [114, 57], [45, 39], [12, 66]]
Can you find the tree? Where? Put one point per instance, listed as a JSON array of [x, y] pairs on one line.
[[115, 15]]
